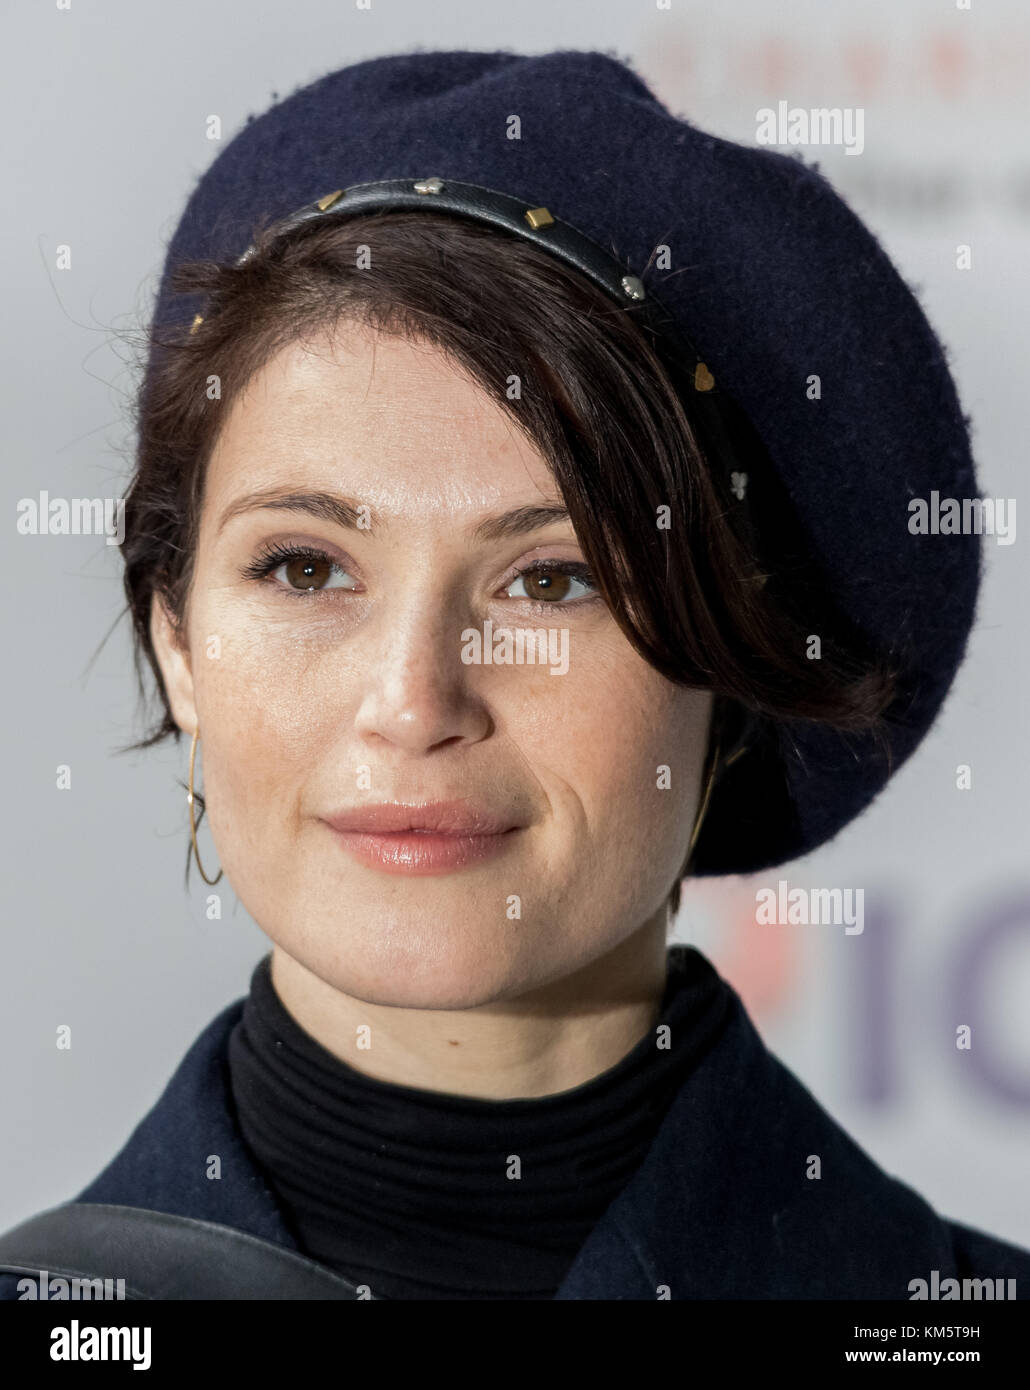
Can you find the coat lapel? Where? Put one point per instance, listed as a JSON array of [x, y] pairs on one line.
[[187, 1157], [724, 1206]]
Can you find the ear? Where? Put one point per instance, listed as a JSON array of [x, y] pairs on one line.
[[174, 660]]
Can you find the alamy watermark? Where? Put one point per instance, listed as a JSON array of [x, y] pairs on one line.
[[811, 906], [57, 1287], [80, 1342], [520, 646], [937, 1288], [820, 125], [963, 516], [72, 516]]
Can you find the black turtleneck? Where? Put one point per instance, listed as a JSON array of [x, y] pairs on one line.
[[413, 1192]]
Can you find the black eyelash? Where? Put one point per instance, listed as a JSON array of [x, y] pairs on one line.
[[277, 554]]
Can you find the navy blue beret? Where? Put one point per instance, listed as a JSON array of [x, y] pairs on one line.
[[774, 279]]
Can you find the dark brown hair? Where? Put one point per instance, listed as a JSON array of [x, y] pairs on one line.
[[704, 601]]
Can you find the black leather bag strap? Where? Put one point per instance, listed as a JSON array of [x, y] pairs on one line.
[[163, 1257]]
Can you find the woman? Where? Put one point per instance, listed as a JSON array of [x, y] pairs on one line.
[[515, 532]]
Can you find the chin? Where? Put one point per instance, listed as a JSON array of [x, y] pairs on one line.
[[420, 961]]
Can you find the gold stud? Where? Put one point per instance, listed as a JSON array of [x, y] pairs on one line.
[[324, 204], [538, 217], [703, 379], [198, 319]]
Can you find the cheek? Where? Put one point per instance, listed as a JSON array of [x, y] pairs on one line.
[[619, 751], [265, 710]]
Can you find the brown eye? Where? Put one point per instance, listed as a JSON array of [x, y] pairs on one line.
[[565, 583], [548, 586], [307, 572], [298, 570]]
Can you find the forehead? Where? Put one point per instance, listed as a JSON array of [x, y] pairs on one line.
[[395, 423]]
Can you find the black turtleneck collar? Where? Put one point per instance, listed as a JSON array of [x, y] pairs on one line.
[[419, 1194]]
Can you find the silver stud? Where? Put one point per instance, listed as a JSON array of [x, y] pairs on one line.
[[432, 185], [633, 287]]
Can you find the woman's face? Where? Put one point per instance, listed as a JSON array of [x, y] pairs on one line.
[[331, 685]]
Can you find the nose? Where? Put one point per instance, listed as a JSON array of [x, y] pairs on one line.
[[418, 694]]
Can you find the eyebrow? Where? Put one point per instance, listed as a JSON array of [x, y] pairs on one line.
[[520, 521], [326, 506], [344, 511]]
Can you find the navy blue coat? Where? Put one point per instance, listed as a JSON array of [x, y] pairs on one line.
[[721, 1207]]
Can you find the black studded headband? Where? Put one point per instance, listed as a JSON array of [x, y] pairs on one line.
[[723, 429], [535, 224]]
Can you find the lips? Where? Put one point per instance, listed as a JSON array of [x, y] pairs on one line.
[[457, 818], [434, 837]]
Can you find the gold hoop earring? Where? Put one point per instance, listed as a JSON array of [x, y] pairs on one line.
[[699, 817], [193, 823]]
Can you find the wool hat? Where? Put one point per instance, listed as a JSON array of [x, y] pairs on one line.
[[775, 284]]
